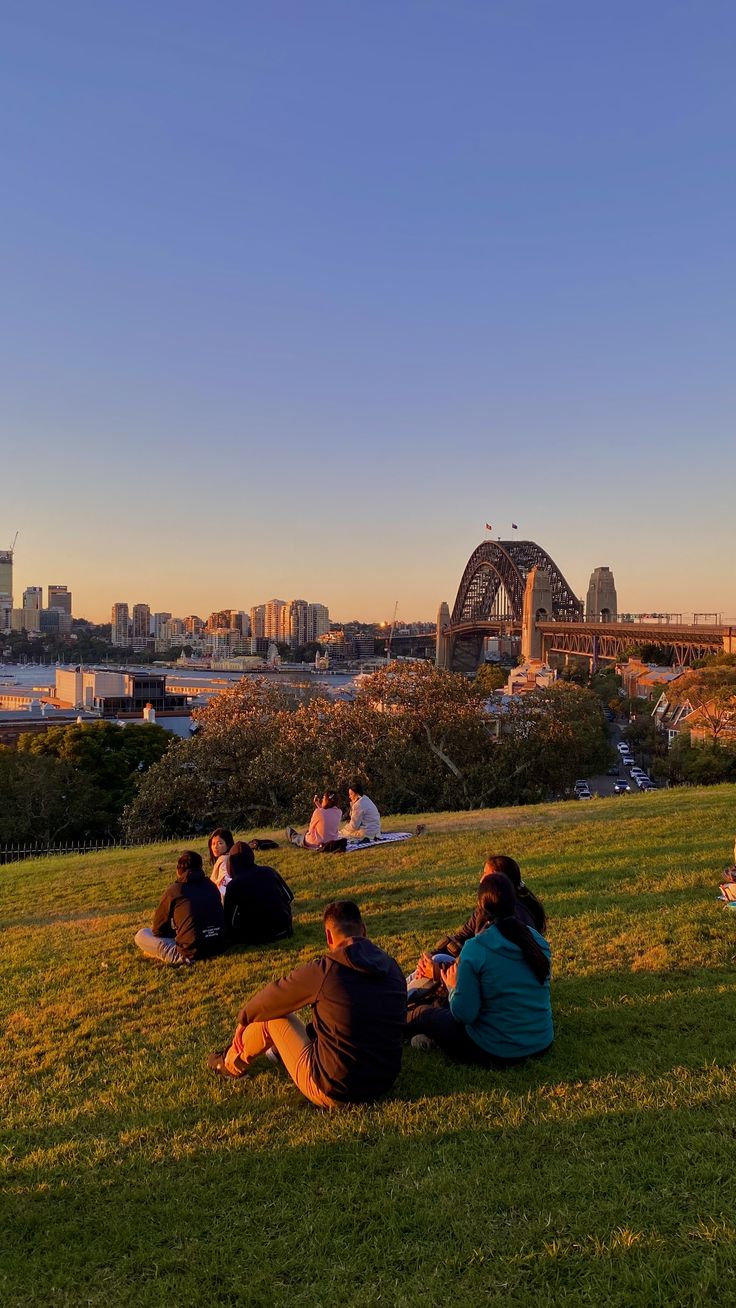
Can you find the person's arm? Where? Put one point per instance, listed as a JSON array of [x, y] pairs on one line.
[[162, 923], [280, 998], [453, 944], [465, 998], [314, 825]]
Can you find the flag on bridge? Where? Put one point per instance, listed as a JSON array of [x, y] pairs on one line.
[[514, 527], [489, 527]]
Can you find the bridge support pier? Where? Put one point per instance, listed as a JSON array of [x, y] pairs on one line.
[[443, 651], [538, 607]]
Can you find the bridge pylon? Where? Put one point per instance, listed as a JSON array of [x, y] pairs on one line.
[[538, 607]]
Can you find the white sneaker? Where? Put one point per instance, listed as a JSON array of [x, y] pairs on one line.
[[424, 1042], [274, 1057]]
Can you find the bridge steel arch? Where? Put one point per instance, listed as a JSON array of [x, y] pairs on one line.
[[492, 590], [505, 564]]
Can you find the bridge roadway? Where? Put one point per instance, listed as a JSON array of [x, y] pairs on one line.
[[607, 641]]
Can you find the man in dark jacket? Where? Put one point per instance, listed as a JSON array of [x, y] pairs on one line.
[[351, 1052], [189, 922]]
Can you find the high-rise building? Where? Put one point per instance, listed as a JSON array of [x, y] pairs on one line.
[[318, 622], [258, 622], [141, 630], [296, 623], [158, 621], [60, 597], [33, 598], [193, 625], [6, 588], [120, 620], [274, 624]]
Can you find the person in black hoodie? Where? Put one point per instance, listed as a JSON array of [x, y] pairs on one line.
[[351, 1051], [257, 901], [528, 910], [189, 922]]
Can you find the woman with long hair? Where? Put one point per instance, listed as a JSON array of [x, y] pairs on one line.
[[219, 845], [499, 1010], [324, 826]]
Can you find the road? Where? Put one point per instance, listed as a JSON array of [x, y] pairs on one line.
[[603, 785]]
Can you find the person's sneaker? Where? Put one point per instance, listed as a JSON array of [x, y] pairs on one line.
[[423, 1042], [274, 1057], [216, 1063], [292, 835], [420, 828]]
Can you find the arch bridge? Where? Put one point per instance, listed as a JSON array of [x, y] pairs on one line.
[[490, 602]]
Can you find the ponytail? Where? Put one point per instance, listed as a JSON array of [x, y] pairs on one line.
[[497, 901]]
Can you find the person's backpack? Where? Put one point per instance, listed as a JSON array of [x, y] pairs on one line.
[[262, 842], [334, 846]]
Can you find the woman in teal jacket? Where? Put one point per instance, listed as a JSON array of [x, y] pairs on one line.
[[500, 1011]]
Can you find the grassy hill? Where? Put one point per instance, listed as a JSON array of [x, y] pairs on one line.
[[602, 1175]]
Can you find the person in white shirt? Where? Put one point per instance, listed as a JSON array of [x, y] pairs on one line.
[[365, 820], [219, 845]]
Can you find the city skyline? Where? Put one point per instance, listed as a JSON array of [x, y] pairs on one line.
[[204, 609], [268, 327]]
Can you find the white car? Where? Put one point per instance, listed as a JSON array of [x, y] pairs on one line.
[[622, 747], [583, 794], [627, 760], [637, 772]]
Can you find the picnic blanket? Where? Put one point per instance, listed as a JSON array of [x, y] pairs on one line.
[[388, 838]]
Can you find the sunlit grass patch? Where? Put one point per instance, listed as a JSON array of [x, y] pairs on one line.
[[602, 1175]]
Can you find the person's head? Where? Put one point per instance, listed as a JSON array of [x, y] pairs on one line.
[[329, 799], [189, 867], [496, 897], [220, 842], [355, 790], [508, 867], [497, 902], [241, 858], [342, 921]]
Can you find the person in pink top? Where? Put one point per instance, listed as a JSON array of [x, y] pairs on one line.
[[324, 826]]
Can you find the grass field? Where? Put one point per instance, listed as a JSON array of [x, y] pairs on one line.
[[602, 1175]]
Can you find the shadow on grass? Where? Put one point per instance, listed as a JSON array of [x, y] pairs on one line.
[[519, 1214]]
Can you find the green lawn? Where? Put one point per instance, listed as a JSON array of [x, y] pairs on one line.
[[603, 1175]]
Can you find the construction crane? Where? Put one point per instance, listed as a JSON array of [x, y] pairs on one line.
[[391, 633], [12, 545]]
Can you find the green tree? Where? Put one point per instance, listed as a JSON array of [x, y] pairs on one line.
[[490, 677], [44, 800], [111, 757]]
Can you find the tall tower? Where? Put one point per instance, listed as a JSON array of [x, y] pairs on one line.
[[141, 625], [537, 607], [601, 604], [33, 598], [442, 655], [60, 597], [120, 620], [6, 588]]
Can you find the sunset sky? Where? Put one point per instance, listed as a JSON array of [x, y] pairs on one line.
[[297, 296]]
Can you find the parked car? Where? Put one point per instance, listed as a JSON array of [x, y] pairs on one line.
[[621, 787], [583, 794], [613, 771], [637, 772], [582, 785], [622, 747], [627, 760]]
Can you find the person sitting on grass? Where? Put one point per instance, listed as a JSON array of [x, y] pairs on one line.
[[324, 825], [257, 901], [499, 1011], [427, 975], [351, 1050], [365, 820], [219, 845], [189, 923]]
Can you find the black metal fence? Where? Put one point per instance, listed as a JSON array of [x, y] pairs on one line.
[[16, 853]]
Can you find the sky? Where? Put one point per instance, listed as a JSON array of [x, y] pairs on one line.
[[298, 296]]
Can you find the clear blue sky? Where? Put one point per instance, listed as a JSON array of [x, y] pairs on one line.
[[297, 295]]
